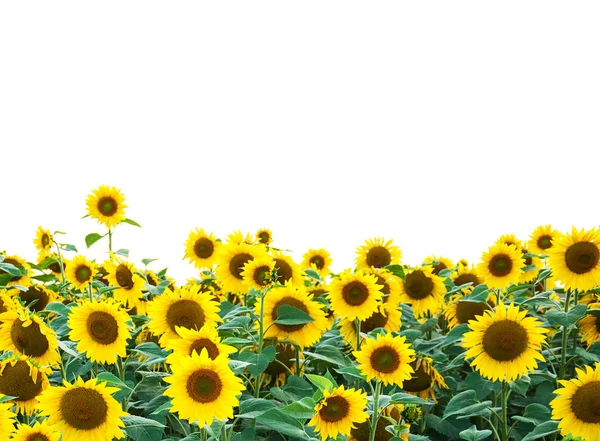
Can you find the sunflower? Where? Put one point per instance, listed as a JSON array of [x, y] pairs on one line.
[[106, 205], [101, 329], [423, 379], [387, 317], [501, 265], [201, 248], [509, 239], [459, 311], [264, 236], [318, 260], [504, 344], [43, 242], [84, 410], [231, 260], [589, 326], [23, 266], [574, 259], [355, 295], [38, 432], [258, 273], [7, 419], [362, 431], [21, 379], [193, 340], [535, 262], [238, 238], [203, 389], [338, 411], [390, 285], [465, 274], [443, 264], [37, 297], [6, 302], [184, 307], [80, 272], [287, 270], [55, 267], [121, 274], [423, 290], [378, 253], [542, 239], [27, 334], [305, 334], [387, 359]]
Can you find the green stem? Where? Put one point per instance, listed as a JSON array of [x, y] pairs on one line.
[[223, 433], [357, 323], [62, 268], [504, 411], [493, 427], [298, 373], [109, 240], [260, 340], [565, 336], [375, 415]]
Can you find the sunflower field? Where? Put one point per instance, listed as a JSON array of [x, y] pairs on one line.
[[258, 346]]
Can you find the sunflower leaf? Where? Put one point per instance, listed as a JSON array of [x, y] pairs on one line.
[[254, 407], [576, 313], [282, 423], [472, 434], [302, 410], [10, 269], [132, 222], [534, 414], [313, 274], [58, 308], [544, 429], [258, 362], [92, 238], [290, 315], [321, 382], [403, 398], [396, 270], [465, 403], [143, 429]]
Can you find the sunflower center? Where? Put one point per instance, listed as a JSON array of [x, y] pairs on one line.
[[467, 278], [355, 293], [317, 261], [204, 386], [582, 257], [285, 355], [124, 277], [263, 237], [29, 340], [500, 265], [418, 285], [107, 206], [34, 293], [236, 265], [205, 343], [421, 380], [585, 403], [377, 320], [378, 257], [290, 301], [386, 288], [37, 437], [544, 242], [83, 273], [385, 359], [284, 270], [318, 292], [186, 313], [45, 240], [102, 327], [17, 382], [598, 324], [439, 267], [203, 248], [466, 311], [334, 409], [362, 431], [262, 275], [505, 340], [83, 408]]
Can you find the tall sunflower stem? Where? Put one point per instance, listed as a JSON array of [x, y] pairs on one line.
[[357, 323], [109, 240], [504, 411], [260, 339], [298, 373], [375, 415], [62, 268], [90, 292], [565, 336]]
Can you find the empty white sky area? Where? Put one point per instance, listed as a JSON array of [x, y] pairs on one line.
[[440, 125]]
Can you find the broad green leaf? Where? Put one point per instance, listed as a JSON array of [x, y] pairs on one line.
[[544, 429], [253, 407], [123, 252], [290, 315], [68, 347], [521, 385], [576, 313], [132, 222], [302, 410], [396, 270], [112, 380], [535, 414], [248, 434], [258, 362], [147, 261], [9, 268], [163, 408], [321, 382], [282, 423], [403, 398], [58, 308], [143, 429], [465, 403], [443, 427], [92, 238], [472, 434], [68, 247], [313, 274], [479, 294]]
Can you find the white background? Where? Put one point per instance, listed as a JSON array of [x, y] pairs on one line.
[[441, 125]]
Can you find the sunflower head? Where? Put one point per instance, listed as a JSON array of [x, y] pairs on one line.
[[510, 239], [286, 269], [37, 297], [106, 205], [21, 378], [442, 263], [38, 432], [423, 379], [387, 316], [122, 275], [378, 253], [465, 274], [501, 265], [386, 358], [318, 260], [264, 236], [258, 273], [231, 259], [542, 238], [423, 290], [81, 272], [22, 265], [201, 248], [193, 340], [355, 295], [43, 242], [459, 311]]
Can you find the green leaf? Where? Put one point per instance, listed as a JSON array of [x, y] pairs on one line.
[[164, 407], [143, 429], [472, 434], [576, 313], [258, 362], [400, 397], [68, 347], [147, 261], [544, 429], [313, 274], [290, 315], [248, 434], [132, 222], [535, 414], [58, 308], [443, 427], [479, 294], [321, 382], [47, 262], [302, 410], [282, 423], [455, 334], [413, 437], [521, 385], [396, 270], [557, 317], [10, 269], [92, 238], [465, 403], [123, 252], [351, 371], [68, 247], [253, 407], [112, 380]]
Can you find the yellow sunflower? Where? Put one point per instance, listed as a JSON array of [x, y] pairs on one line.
[[43, 242], [578, 404], [423, 379], [589, 326], [203, 389], [377, 252], [231, 260], [390, 285], [101, 329], [287, 270], [504, 344], [387, 317], [7, 419], [37, 297], [574, 259], [339, 411], [6, 302], [305, 334], [530, 275], [459, 311], [542, 239], [27, 334], [106, 205], [258, 273], [238, 238], [317, 259], [501, 265], [80, 272], [201, 248], [121, 274], [185, 307], [38, 432], [443, 263], [55, 267], [23, 266], [21, 379], [264, 236], [355, 295], [509, 239], [388, 359], [466, 274], [423, 290], [193, 340], [83, 411]]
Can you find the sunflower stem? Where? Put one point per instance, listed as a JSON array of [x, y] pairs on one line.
[[109, 240], [62, 268], [357, 322], [260, 340], [504, 411], [297, 361], [565, 336], [375, 415]]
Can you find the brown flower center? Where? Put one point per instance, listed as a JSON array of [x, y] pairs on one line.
[[363, 431], [107, 206], [500, 265], [205, 343], [439, 267], [466, 310], [29, 340], [284, 270], [124, 276], [55, 267], [378, 257], [34, 293], [386, 288], [544, 242], [420, 381], [582, 257], [236, 265], [377, 320], [203, 248], [317, 261], [505, 340], [418, 286], [467, 278], [204, 386], [318, 292], [385, 359], [290, 301], [17, 382], [286, 356], [36, 437], [83, 273], [355, 293], [262, 275], [334, 409], [264, 237], [83, 408], [102, 327], [585, 403], [186, 313], [45, 240]]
